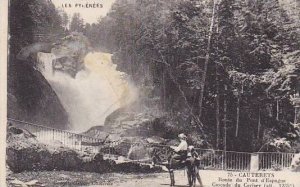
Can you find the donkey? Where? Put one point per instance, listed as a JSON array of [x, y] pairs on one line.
[[159, 155]]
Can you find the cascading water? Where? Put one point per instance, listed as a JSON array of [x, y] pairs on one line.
[[45, 63], [96, 91]]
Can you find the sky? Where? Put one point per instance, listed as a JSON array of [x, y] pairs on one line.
[[90, 15]]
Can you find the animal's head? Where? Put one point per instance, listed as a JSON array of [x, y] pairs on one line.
[[191, 148]]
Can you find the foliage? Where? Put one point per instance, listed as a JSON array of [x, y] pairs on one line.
[[77, 23], [32, 21], [64, 19], [162, 44]]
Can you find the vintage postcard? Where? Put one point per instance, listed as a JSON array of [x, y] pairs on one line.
[[150, 93]]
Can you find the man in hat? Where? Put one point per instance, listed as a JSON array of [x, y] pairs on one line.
[[181, 149], [179, 156]]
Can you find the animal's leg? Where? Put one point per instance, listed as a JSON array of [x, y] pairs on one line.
[[189, 176], [172, 177], [194, 170], [199, 180], [198, 177], [194, 180], [190, 172]]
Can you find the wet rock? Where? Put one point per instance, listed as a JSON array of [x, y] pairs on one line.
[[126, 122], [66, 159], [25, 153], [134, 167], [97, 132], [128, 167], [295, 165], [14, 130], [121, 148], [45, 160], [32, 183], [138, 152], [155, 140], [22, 150], [31, 98], [98, 164]]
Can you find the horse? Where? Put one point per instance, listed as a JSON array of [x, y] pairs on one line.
[[165, 153]]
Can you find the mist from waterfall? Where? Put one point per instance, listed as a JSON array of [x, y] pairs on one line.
[[94, 93]]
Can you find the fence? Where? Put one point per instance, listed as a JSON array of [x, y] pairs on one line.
[[53, 136], [224, 160], [274, 161], [147, 153]]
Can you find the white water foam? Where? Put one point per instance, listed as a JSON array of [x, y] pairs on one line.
[[94, 93]]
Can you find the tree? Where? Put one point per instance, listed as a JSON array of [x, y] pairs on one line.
[[254, 52], [77, 23], [64, 19], [32, 21]]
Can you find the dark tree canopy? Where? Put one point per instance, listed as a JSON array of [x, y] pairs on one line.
[[162, 44]]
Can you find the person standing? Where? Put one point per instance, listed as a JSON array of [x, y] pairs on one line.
[[194, 157]]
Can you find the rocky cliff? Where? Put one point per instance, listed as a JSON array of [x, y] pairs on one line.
[[31, 98]]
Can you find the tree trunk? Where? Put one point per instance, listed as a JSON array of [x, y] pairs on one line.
[[164, 89], [259, 123], [217, 82], [277, 109], [203, 78], [225, 123], [173, 79], [217, 109], [297, 112], [237, 116]]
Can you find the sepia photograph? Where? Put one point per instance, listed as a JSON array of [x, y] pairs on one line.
[[151, 93]]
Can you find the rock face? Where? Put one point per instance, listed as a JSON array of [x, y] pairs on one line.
[[21, 145], [70, 52], [295, 165], [25, 153], [126, 122], [31, 98]]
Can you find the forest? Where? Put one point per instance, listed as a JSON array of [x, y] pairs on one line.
[[224, 71]]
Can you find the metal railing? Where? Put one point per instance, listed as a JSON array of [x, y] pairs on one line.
[[57, 137], [146, 152], [224, 160], [274, 160]]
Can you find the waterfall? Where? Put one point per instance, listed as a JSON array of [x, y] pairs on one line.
[[95, 92], [45, 63], [130, 151]]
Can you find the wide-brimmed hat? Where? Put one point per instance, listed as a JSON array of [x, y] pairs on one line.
[[182, 136]]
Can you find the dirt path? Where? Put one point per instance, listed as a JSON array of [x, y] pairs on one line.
[[213, 179], [209, 178], [156, 180], [86, 179]]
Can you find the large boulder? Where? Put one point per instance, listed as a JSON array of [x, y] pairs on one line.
[[295, 165], [138, 152], [66, 159], [126, 122], [22, 150], [135, 167], [25, 153]]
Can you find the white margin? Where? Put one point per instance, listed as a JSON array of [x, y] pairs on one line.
[[3, 87]]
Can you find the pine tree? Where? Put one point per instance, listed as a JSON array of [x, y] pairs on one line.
[[77, 23]]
